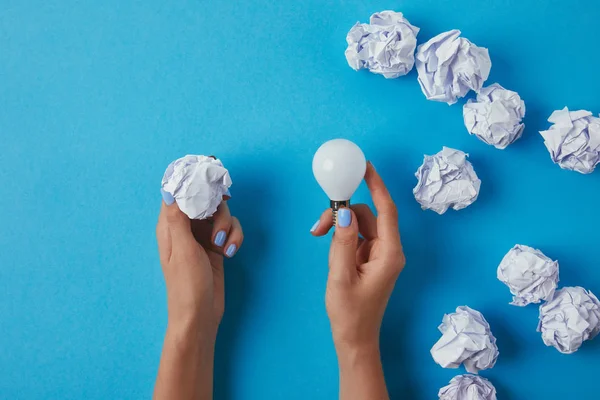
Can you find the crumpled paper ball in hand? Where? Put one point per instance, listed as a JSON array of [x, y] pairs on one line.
[[446, 180], [571, 317], [468, 387], [198, 184], [386, 46], [495, 117], [449, 66], [529, 274], [466, 339], [574, 140]]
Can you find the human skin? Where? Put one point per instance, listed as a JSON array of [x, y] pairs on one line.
[[362, 274], [191, 255]]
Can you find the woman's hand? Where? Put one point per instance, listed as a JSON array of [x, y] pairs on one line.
[[362, 274], [191, 255]]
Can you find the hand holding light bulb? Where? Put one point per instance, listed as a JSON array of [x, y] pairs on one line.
[[362, 274]]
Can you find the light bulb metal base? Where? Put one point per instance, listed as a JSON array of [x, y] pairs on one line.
[[335, 206]]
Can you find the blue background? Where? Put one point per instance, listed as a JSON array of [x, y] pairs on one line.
[[96, 98]]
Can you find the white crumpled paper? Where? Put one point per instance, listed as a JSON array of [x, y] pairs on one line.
[[468, 387], [466, 339], [198, 184], [449, 66], [529, 274], [495, 117], [574, 140], [386, 46], [571, 317], [446, 180]]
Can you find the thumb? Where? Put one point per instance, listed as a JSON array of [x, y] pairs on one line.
[[179, 224], [342, 254]]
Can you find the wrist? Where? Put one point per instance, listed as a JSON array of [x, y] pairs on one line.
[[191, 316], [191, 329], [361, 372], [350, 355]]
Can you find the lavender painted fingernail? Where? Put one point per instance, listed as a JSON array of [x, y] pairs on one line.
[[220, 238], [315, 226], [231, 250], [167, 197], [344, 218]]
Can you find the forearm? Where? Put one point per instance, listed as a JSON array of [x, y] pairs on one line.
[[186, 364], [361, 373]]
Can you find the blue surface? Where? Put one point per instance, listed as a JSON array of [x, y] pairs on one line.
[[98, 97]]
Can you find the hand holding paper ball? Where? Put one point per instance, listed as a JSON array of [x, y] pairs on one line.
[[198, 184]]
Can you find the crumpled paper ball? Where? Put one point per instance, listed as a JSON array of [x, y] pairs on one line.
[[495, 117], [468, 387], [449, 66], [571, 317], [466, 339], [386, 46], [446, 180], [574, 140], [198, 184], [529, 274]]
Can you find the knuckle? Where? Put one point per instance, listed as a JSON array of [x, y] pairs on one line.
[[224, 222], [399, 264], [164, 258], [345, 241], [396, 259], [173, 216]]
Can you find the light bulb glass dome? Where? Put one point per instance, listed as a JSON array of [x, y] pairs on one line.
[[339, 166]]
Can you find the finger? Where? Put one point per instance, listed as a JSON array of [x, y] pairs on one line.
[[236, 237], [364, 251], [342, 254], [387, 214], [163, 237], [323, 224], [179, 224], [367, 222], [221, 226]]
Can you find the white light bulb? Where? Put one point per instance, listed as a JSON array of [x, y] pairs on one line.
[[339, 166]]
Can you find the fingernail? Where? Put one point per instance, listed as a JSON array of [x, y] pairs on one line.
[[228, 193], [315, 226], [231, 250], [344, 218], [167, 197], [220, 238], [372, 166]]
